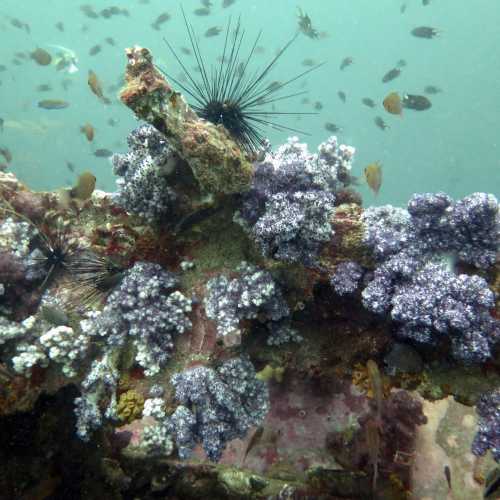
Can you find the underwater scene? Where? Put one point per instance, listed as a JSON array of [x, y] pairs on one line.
[[249, 250]]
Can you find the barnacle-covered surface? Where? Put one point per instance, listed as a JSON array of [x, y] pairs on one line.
[[252, 334]]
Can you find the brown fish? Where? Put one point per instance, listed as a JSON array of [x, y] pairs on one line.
[[53, 104], [6, 154], [95, 85], [88, 131], [41, 57], [60, 26], [373, 176], [94, 50], [70, 166], [110, 41], [318, 106], [308, 62], [186, 51], [393, 104], [227, 3], [256, 436], [447, 475], [342, 95], [84, 186]]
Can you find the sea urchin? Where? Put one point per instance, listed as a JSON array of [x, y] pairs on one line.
[[229, 94]]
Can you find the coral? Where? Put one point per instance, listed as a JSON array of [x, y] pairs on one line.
[[130, 406], [488, 433], [347, 277], [98, 391], [252, 294], [215, 159], [217, 405], [65, 346], [157, 440], [282, 333], [292, 199], [143, 187], [146, 308], [415, 281]]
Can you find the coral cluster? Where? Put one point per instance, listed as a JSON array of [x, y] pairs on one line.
[[346, 278], [146, 308], [415, 281], [143, 187], [291, 201], [217, 405], [253, 293], [488, 433]]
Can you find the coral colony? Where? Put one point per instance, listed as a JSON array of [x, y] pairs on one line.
[[245, 286]]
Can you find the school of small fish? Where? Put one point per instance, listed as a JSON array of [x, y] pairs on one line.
[[65, 62]]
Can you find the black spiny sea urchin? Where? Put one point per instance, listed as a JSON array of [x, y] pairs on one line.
[[229, 94]]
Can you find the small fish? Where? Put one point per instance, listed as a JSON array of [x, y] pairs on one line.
[[425, 32], [432, 90], [202, 11], [401, 63], [492, 484], [274, 86], [2, 121], [331, 127], [89, 131], [41, 57], [305, 25], [60, 26], [89, 11], [447, 475], [84, 186], [426, 2], [391, 75], [318, 106], [95, 84], [112, 122], [259, 49], [227, 3], [186, 51], [342, 95], [66, 83], [110, 41], [70, 166], [402, 9], [380, 123], [94, 50], [3, 67], [393, 104], [308, 62], [373, 176], [368, 102], [206, 3], [103, 153], [17, 23], [347, 61], [416, 102], [256, 437], [213, 31], [161, 19], [53, 104], [44, 87], [6, 154]]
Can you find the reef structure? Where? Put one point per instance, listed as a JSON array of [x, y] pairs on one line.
[[254, 297]]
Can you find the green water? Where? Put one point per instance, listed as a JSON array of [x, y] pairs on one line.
[[451, 147]]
